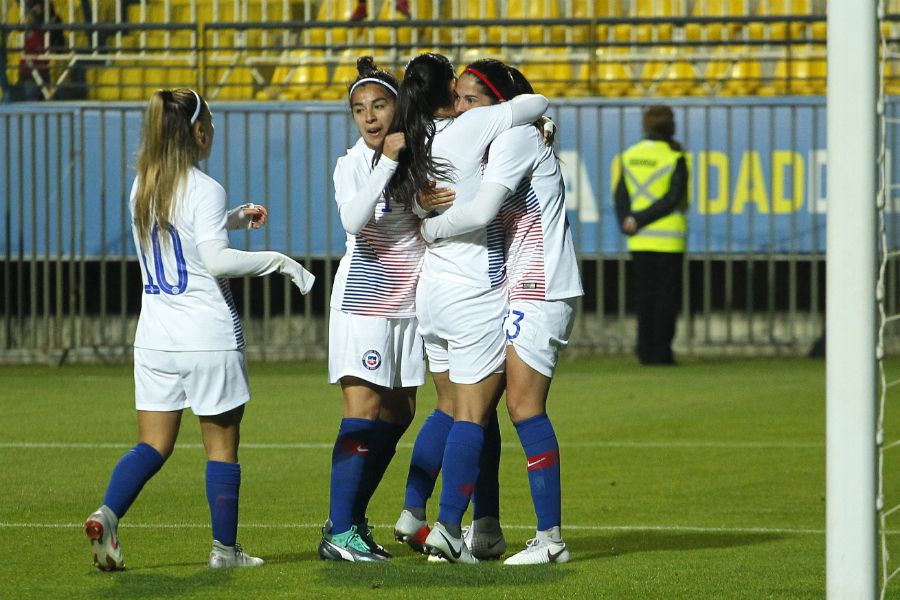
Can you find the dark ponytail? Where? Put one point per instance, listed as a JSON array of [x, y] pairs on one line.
[[424, 91], [522, 85]]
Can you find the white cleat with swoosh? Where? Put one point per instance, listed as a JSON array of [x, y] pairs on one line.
[[441, 542], [546, 547]]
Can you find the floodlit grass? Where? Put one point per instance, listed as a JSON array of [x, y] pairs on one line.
[[701, 481]]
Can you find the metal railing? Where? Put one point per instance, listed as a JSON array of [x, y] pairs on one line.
[[754, 282]]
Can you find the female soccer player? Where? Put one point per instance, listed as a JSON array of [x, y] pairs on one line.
[[543, 283], [188, 349], [460, 299], [374, 350]]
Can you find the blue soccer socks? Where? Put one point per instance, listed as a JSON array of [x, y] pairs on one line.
[[223, 484], [486, 499], [132, 471], [460, 467], [542, 450], [348, 459], [382, 447], [427, 456]]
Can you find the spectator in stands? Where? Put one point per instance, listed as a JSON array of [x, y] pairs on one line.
[[651, 205], [34, 71], [362, 11]]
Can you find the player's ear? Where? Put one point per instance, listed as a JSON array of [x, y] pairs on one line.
[[199, 132]]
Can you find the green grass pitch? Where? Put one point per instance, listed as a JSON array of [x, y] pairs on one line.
[[701, 481]]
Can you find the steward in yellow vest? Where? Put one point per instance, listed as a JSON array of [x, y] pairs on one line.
[[651, 206]]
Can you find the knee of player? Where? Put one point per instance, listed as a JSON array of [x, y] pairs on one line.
[[523, 407]]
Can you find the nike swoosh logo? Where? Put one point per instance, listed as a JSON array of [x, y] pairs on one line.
[[552, 556], [456, 553], [537, 462], [361, 449]]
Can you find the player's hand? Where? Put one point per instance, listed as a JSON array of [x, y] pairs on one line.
[[256, 214], [302, 278], [629, 225], [394, 143], [435, 198], [547, 128]]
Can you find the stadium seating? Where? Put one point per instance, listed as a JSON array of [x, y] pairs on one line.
[[800, 74], [313, 61], [536, 10], [554, 75], [614, 75], [670, 74], [784, 8], [655, 8], [716, 32], [480, 9], [598, 9], [733, 72]]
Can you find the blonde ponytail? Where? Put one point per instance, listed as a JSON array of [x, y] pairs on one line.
[[167, 153]]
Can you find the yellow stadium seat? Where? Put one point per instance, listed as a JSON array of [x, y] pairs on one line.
[[598, 9], [892, 77], [777, 8], [551, 74], [805, 75], [480, 9], [303, 74], [329, 12], [655, 8], [535, 10], [104, 83], [715, 32], [733, 74], [384, 36], [672, 75], [614, 76]]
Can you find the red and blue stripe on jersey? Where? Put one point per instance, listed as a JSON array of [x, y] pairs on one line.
[[384, 266], [521, 215]]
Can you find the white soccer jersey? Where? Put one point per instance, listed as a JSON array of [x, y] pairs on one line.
[[377, 275], [185, 308], [475, 258], [540, 255]]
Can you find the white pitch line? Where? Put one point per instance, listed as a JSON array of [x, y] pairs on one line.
[[688, 444], [567, 527]]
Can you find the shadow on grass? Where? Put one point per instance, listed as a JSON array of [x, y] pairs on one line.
[[415, 571], [614, 544]]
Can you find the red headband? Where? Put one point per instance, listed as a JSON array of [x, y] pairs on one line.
[[486, 82]]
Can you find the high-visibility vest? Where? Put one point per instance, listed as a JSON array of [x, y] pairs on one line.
[[647, 168]]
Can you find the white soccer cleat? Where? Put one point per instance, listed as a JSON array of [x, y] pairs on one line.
[[546, 547], [226, 557], [101, 528], [441, 543], [485, 538], [411, 530]]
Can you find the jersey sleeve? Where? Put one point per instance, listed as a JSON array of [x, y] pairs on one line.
[[357, 192], [210, 213], [511, 157], [483, 124]]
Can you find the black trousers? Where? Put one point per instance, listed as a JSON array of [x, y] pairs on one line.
[[658, 282]]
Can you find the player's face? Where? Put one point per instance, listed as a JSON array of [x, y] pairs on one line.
[[372, 106], [469, 94]]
